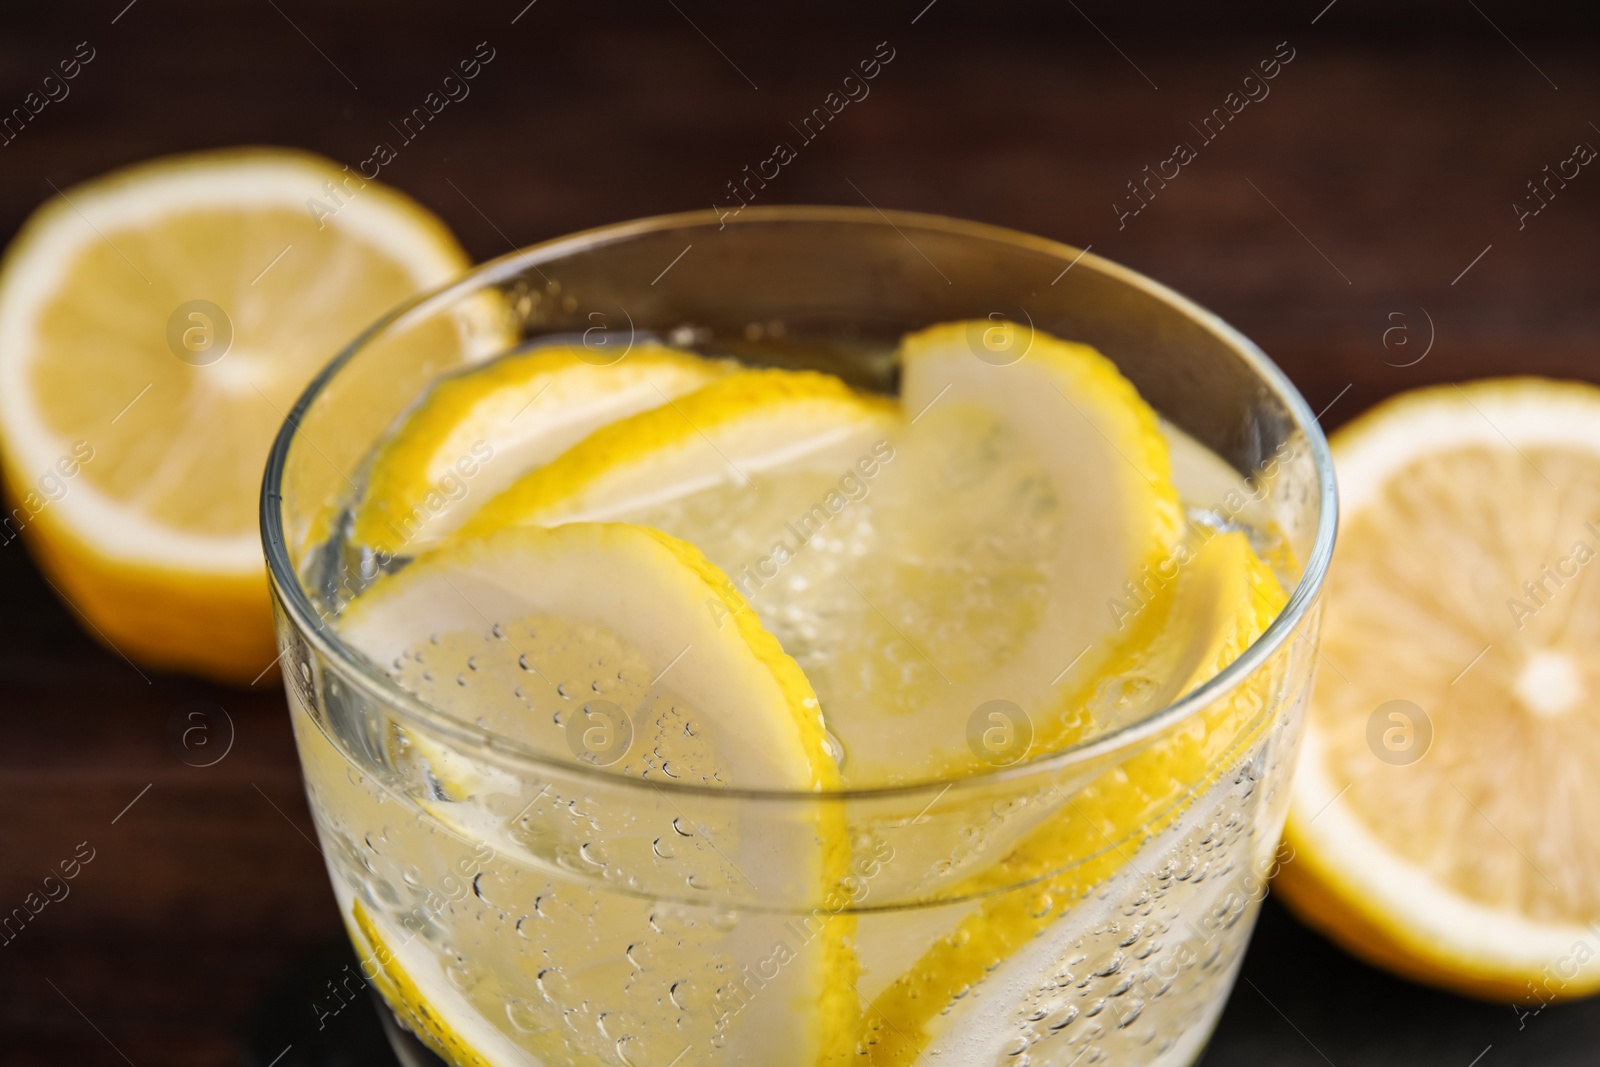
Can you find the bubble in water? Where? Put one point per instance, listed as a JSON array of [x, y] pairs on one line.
[[1064, 1018], [459, 975], [523, 1016]]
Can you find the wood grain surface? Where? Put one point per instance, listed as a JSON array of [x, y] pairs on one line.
[[1376, 180]]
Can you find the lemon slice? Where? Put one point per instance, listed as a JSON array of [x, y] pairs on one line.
[[1098, 444], [623, 648], [603, 594], [1439, 818], [474, 433], [391, 970], [1029, 498], [726, 433], [1003, 958], [156, 325]]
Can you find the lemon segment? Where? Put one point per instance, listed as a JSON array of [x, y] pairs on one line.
[[476, 432], [156, 324], [915, 1017], [1454, 730]]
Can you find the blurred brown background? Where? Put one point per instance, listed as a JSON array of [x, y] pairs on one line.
[[1357, 217]]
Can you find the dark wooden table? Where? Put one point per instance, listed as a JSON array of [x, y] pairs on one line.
[[1373, 188]]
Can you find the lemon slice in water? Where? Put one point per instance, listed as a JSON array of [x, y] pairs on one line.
[[625, 649], [476, 432], [990, 975], [1041, 460], [727, 434]]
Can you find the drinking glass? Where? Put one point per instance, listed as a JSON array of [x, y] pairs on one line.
[[514, 906]]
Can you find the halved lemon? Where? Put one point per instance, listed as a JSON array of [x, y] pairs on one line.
[[1441, 814], [621, 647], [477, 432], [156, 324]]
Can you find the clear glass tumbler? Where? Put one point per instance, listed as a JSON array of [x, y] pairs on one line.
[[511, 906]]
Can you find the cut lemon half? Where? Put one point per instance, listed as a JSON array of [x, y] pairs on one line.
[[1452, 753], [626, 649], [475, 433], [156, 324]]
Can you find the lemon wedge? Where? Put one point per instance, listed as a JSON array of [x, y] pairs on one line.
[[1439, 817], [156, 324], [625, 649], [1005, 954], [476, 432]]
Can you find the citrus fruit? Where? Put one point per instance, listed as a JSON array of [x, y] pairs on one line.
[[1439, 820], [156, 325], [476, 432], [626, 649], [606, 599], [937, 1011], [1032, 494], [727, 433], [424, 1013]]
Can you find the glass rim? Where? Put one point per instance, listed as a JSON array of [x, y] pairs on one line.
[[356, 669]]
